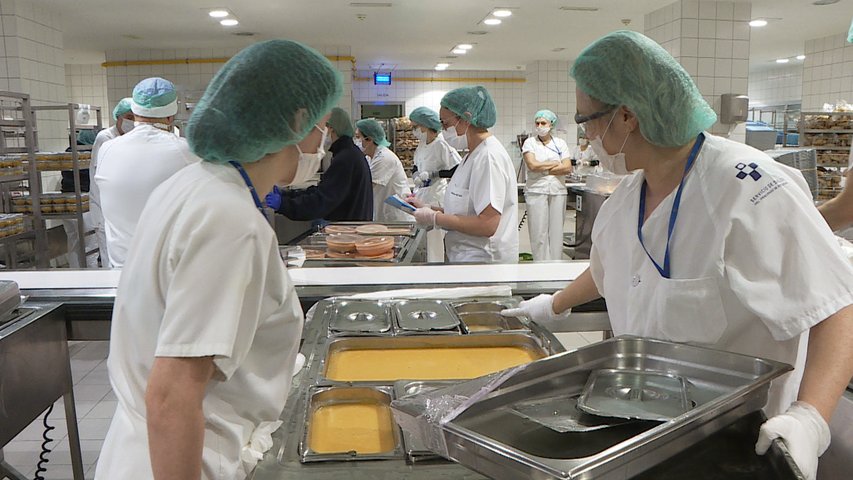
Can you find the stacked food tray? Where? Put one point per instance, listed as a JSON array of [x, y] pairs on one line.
[[405, 142], [361, 242], [60, 161], [50, 203], [11, 166], [11, 224], [831, 135]]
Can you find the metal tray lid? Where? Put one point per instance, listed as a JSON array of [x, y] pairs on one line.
[[360, 316], [425, 315], [477, 423], [10, 298]]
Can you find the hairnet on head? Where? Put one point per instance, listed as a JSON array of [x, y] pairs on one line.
[[122, 108], [341, 123], [627, 68], [268, 96], [850, 33], [472, 104], [154, 97], [547, 115], [86, 137], [371, 129], [426, 117]]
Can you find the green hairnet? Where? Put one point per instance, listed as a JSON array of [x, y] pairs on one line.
[[268, 96], [371, 129], [547, 115], [426, 117], [630, 69], [86, 137], [341, 123], [122, 108], [850, 33], [472, 104]]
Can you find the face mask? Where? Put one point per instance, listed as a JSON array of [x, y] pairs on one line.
[[308, 165], [125, 126], [583, 142], [542, 131], [358, 143], [321, 149], [420, 135], [612, 163], [459, 142], [327, 143]]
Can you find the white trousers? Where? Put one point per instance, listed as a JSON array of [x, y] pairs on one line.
[[435, 245], [545, 214]]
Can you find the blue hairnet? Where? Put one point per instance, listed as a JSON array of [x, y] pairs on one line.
[[627, 68], [122, 108], [426, 117], [371, 129], [341, 123], [86, 137], [154, 97], [547, 115], [268, 96], [472, 104]]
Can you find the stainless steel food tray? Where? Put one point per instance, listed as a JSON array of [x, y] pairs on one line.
[[487, 437], [359, 317], [635, 394], [425, 316], [416, 450], [410, 227], [479, 322], [320, 397]]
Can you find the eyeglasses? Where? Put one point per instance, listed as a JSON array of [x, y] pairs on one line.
[[445, 123], [582, 119]]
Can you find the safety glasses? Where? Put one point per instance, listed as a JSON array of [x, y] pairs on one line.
[[582, 119]]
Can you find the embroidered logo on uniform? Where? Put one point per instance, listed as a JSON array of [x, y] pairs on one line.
[[750, 170]]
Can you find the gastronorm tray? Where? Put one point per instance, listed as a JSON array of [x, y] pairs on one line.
[[424, 316], [359, 317]]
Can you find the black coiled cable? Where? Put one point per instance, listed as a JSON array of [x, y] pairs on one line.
[[523, 218], [44, 450]]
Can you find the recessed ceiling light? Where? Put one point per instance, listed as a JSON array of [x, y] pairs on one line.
[[758, 23], [465, 46], [580, 9], [478, 32], [229, 22], [492, 21], [502, 13], [460, 51], [441, 66], [801, 57], [218, 13], [782, 60]]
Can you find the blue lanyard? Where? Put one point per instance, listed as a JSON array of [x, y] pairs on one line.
[[700, 139], [555, 149], [250, 185]]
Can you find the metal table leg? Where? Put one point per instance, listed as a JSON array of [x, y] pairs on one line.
[[73, 434], [8, 471]]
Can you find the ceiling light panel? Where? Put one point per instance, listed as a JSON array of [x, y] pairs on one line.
[[492, 21], [219, 13]]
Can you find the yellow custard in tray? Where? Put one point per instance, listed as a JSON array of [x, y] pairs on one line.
[[446, 363], [364, 427]]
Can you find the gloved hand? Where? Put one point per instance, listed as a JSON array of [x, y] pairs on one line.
[[422, 179], [805, 433], [273, 199], [425, 216], [416, 202], [539, 308]]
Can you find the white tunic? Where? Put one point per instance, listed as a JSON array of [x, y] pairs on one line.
[[485, 177], [554, 151], [95, 194], [389, 178], [432, 157], [753, 264], [129, 169], [203, 278]]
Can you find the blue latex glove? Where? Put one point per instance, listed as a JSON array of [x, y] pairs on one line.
[[273, 199]]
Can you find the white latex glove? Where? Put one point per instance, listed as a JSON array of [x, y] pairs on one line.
[[539, 308], [425, 216], [259, 442], [803, 430]]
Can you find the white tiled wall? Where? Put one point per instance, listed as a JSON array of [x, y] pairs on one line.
[[31, 61], [827, 72], [711, 41], [191, 79], [776, 86], [550, 86], [508, 96], [87, 84]]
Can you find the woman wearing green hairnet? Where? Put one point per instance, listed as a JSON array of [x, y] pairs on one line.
[[206, 324], [480, 211], [708, 241]]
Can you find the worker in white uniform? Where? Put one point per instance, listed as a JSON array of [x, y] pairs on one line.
[[708, 241], [582, 151], [480, 211], [206, 324], [432, 156], [548, 161], [386, 171], [132, 166], [123, 118]]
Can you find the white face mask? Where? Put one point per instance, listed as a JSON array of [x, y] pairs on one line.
[[358, 143], [613, 163], [542, 131], [125, 126], [308, 165], [583, 142], [459, 142], [327, 143], [420, 135], [321, 149]]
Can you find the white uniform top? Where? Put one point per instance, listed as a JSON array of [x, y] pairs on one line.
[[130, 167], [203, 278], [485, 177], [583, 155], [432, 157], [389, 178], [554, 151], [753, 264], [103, 136]]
